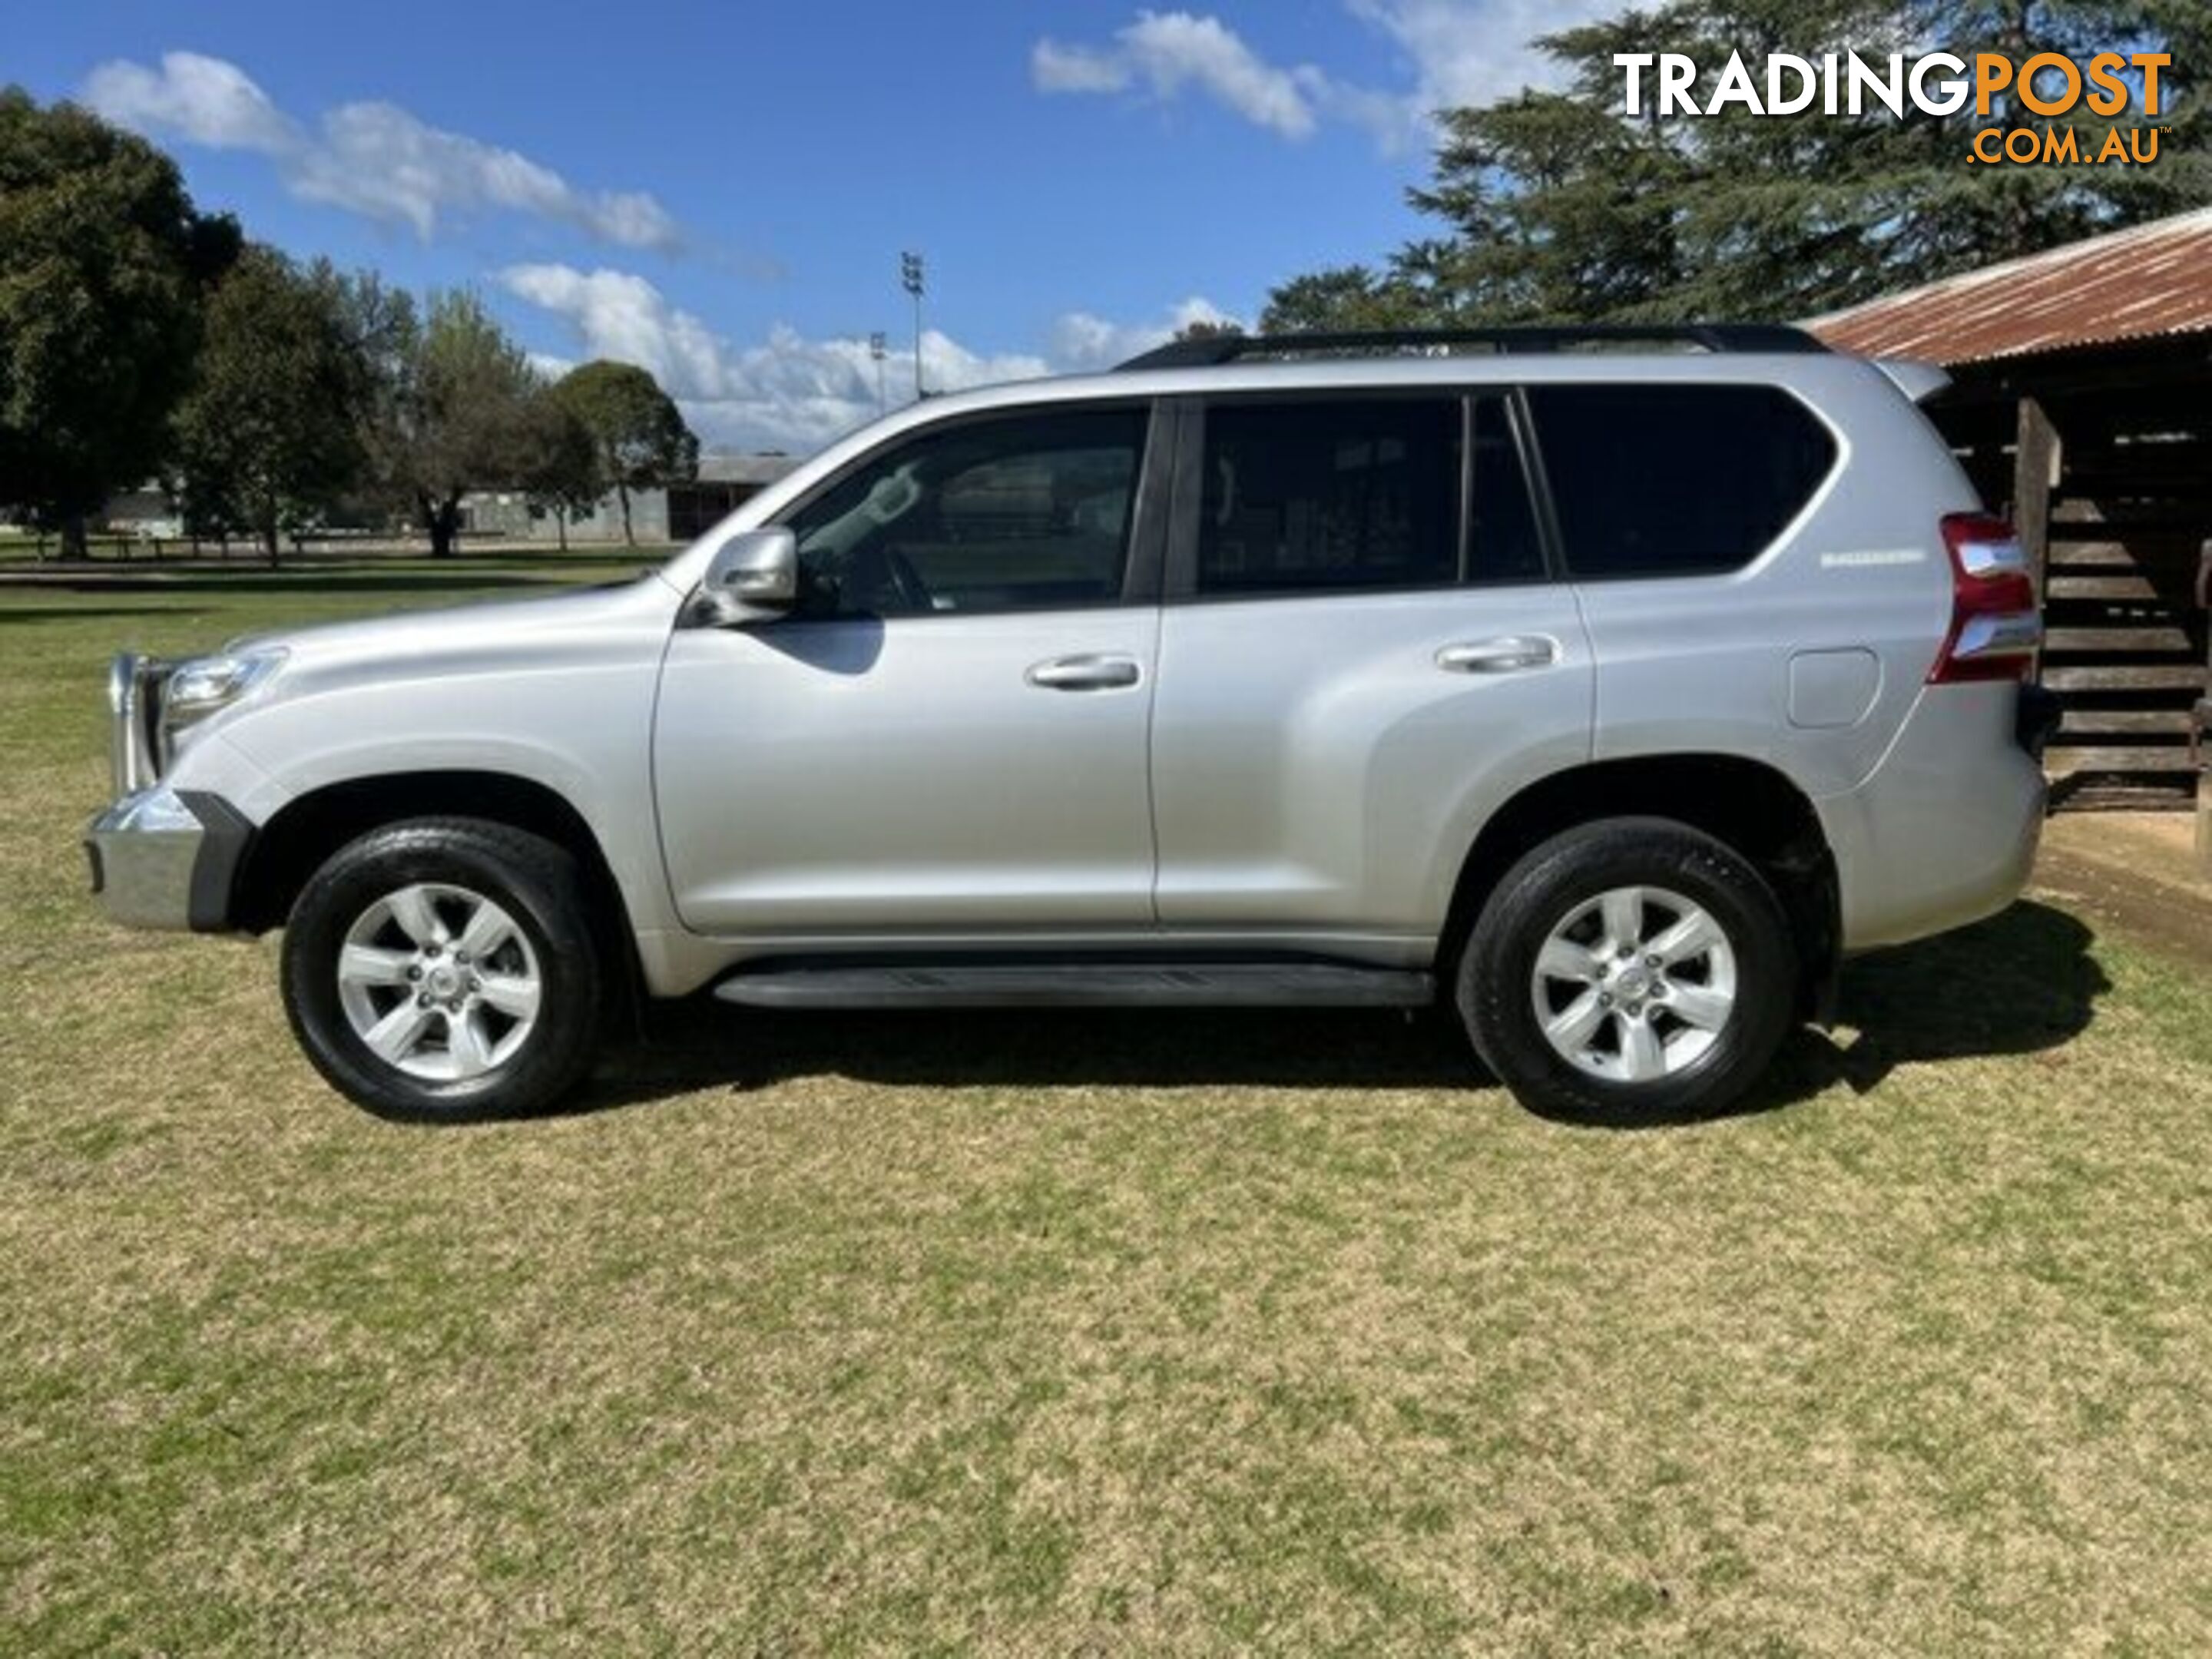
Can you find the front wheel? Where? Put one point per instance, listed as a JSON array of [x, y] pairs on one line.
[[1629, 970], [445, 969]]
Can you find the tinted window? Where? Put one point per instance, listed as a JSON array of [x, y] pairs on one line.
[[1502, 545], [1028, 513], [1314, 494], [1676, 480]]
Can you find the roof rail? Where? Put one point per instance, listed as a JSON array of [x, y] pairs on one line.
[[1214, 350]]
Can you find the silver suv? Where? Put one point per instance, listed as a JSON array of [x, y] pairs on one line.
[[1607, 689]]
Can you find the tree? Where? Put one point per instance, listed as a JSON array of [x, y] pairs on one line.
[[382, 331], [103, 261], [270, 434], [561, 476], [642, 441], [451, 405], [1345, 298], [1556, 206]]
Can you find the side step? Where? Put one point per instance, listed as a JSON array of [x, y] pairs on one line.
[[1081, 985]]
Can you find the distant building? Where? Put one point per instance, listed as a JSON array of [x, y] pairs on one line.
[[678, 514], [725, 483], [148, 513]]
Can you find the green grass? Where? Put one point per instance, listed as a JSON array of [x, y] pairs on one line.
[[21, 551], [1076, 1334]]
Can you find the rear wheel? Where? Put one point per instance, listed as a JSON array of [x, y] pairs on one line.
[[444, 970], [1632, 970]]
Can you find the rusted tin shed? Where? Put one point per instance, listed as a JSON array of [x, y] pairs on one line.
[[2081, 401]]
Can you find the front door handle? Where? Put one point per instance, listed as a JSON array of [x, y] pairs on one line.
[[1509, 656], [1086, 673]]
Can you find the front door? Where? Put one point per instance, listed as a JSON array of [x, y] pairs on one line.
[[948, 732]]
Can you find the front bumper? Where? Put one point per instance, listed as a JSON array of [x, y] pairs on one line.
[[166, 857], [160, 857]]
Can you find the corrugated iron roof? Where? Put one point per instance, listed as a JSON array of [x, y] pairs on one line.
[[2148, 279]]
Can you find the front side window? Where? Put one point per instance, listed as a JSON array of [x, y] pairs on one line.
[[1657, 480], [1028, 513], [1321, 494]]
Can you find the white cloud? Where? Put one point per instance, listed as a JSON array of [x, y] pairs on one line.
[[1453, 53], [1082, 342], [372, 159], [1464, 55], [204, 100], [619, 314], [1055, 68], [1169, 50], [791, 392]]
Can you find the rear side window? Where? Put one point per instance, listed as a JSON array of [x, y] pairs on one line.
[[1676, 480], [1321, 494]]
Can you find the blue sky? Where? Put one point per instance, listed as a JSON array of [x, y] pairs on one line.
[[722, 191]]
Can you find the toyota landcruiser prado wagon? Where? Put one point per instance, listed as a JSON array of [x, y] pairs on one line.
[[1604, 690]]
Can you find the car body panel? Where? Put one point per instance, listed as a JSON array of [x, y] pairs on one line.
[[1291, 773], [823, 776], [557, 690], [1314, 764]]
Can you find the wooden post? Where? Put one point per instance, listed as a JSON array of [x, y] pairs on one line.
[[2036, 467], [2201, 726], [2201, 746]]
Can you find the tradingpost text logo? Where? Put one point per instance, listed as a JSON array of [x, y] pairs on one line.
[[2049, 85]]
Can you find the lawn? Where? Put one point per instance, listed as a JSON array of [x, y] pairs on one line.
[[1052, 1333]]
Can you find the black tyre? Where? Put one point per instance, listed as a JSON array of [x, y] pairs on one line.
[[445, 969], [1629, 970]]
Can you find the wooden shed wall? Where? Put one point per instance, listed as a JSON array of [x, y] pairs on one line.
[[2129, 520]]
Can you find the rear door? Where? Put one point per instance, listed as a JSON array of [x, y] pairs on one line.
[[1363, 651]]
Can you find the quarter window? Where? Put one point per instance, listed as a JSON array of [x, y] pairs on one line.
[[1031, 513], [1676, 480]]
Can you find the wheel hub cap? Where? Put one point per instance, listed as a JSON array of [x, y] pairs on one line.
[[1634, 985], [439, 982]]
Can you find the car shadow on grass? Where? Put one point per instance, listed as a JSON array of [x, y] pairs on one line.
[[2020, 983]]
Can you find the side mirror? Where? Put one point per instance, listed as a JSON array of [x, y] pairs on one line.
[[754, 570]]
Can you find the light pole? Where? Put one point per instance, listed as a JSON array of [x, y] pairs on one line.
[[879, 348], [910, 279]]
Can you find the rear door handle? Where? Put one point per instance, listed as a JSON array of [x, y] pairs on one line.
[[1086, 673], [1509, 656]]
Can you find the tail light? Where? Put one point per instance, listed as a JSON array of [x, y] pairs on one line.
[[1995, 626]]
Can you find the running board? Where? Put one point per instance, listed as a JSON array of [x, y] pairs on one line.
[[1082, 984]]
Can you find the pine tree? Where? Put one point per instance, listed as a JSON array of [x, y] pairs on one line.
[[1557, 206]]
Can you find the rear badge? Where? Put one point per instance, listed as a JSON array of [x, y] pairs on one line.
[[1863, 561]]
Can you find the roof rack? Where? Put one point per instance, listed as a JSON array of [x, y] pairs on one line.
[[1214, 350]]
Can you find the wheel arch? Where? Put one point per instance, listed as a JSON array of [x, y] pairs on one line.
[[295, 842], [1748, 804]]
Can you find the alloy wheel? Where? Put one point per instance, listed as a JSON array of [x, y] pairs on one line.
[[440, 983], [1634, 985]]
